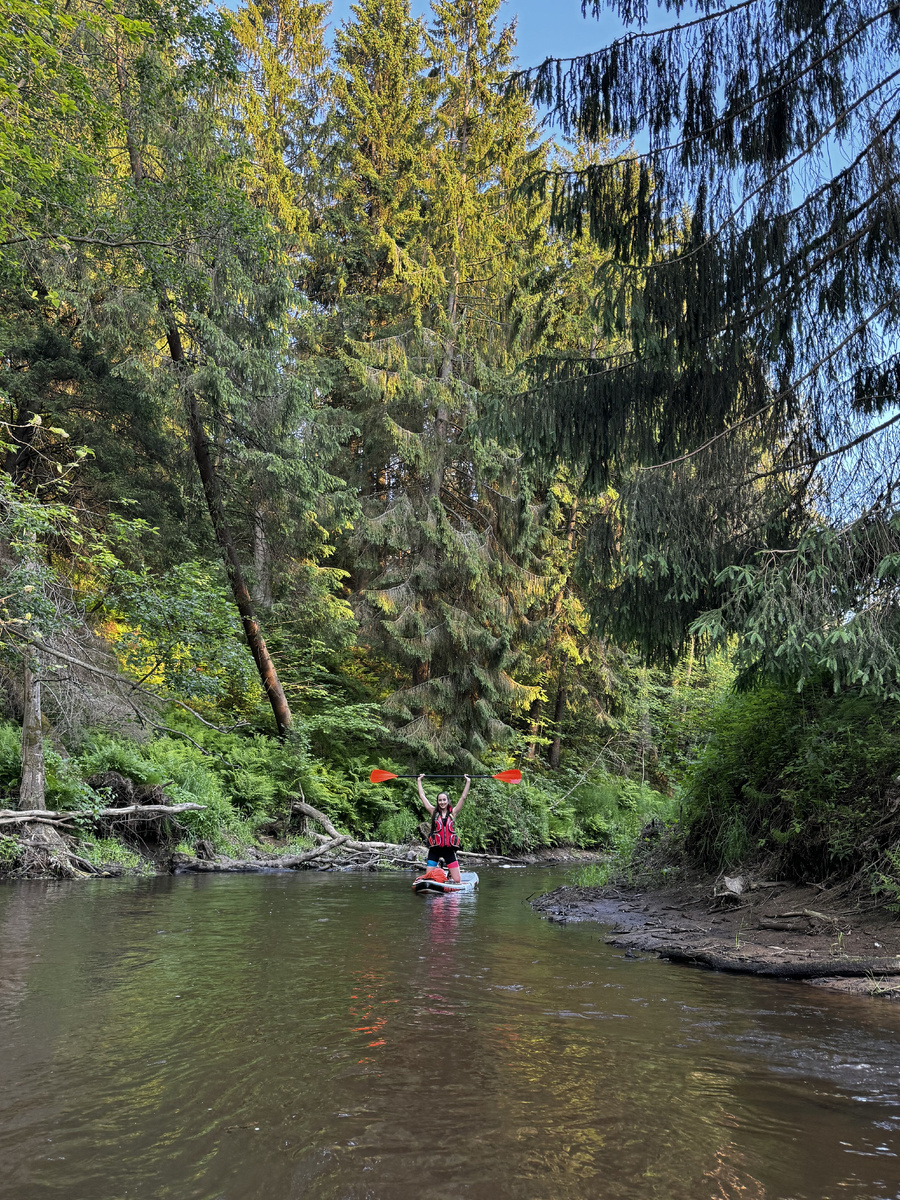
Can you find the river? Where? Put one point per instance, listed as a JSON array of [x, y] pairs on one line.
[[333, 1037]]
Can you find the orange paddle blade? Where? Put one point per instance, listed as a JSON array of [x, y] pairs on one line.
[[381, 776], [510, 776]]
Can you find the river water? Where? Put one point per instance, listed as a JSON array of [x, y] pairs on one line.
[[333, 1036]]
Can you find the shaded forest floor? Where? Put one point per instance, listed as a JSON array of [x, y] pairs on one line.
[[827, 937]]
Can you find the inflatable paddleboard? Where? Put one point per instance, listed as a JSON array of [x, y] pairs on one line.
[[429, 882]]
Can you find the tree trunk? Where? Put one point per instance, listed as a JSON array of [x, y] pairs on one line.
[[255, 640], [32, 788], [559, 711], [421, 672], [44, 849], [534, 725]]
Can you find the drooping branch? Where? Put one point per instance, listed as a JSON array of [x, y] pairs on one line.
[[122, 680]]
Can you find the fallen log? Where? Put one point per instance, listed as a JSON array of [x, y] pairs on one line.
[[362, 846], [294, 860], [284, 862], [307, 809], [14, 816], [848, 968]]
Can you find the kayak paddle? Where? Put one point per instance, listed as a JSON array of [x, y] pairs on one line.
[[514, 776]]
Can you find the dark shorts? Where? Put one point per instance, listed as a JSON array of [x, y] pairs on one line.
[[447, 853]]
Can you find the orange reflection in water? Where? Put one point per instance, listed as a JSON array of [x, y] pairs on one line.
[[368, 1011]]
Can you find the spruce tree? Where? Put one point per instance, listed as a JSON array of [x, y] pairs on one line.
[[282, 86], [426, 271], [750, 426]]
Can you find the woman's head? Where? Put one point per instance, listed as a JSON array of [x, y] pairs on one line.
[[443, 799]]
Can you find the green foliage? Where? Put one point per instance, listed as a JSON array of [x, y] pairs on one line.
[[886, 880], [749, 430], [181, 767], [179, 632], [322, 274], [597, 874], [10, 756], [804, 779], [612, 812], [109, 852], [400, 826]]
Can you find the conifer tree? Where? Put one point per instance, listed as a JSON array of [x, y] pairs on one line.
[[432, 553], [751, 425], [282, 87], [178, 258]]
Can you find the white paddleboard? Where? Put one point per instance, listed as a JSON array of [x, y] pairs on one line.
[[468, 882]]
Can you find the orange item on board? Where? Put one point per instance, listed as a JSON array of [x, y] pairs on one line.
[[436, 873]]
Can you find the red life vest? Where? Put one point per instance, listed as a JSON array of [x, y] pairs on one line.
[[442, 831]]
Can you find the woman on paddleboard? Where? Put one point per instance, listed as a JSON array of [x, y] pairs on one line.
[[443, 840]]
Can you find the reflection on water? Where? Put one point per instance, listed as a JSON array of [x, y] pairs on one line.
[[333, 1036]]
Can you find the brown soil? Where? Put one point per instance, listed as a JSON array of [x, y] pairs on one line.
[[766, 928]]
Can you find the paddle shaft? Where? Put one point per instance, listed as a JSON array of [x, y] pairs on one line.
[[443, 777]]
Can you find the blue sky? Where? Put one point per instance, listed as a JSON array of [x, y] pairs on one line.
[[545, 27]]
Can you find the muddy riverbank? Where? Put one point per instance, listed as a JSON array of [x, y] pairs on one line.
[[823, 937]]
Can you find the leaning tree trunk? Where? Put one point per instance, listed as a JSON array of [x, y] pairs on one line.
[[43, 848], [200, 446], [239, 589], [255, 640]]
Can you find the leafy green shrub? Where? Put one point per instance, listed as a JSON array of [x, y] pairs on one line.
[[399, 827], [800, 778], [181, 767], [597, 874], [10, 756], [109, 852], [886, 880], [9, 851]]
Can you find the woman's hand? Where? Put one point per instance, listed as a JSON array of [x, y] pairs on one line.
[[419, 778]]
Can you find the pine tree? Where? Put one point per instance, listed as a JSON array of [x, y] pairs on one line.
[[751, 426]]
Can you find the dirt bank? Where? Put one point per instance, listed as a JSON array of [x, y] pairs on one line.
[[822, 937]]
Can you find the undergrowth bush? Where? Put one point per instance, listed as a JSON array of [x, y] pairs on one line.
[[806, 780], [247, 781], [109, 852]]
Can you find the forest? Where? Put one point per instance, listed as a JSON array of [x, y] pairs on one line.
[[373, 399]]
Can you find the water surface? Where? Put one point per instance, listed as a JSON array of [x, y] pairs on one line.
[[333, 1037]]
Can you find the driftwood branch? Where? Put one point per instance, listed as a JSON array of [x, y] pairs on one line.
[[308, 810], [850, 968], [351, 845], [283, 862], [14, 816], [294, 860]]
